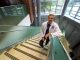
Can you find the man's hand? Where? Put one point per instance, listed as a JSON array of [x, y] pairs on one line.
[[47, 35], [43, 38]]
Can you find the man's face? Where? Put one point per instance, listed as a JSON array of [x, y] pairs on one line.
[[50, 19]]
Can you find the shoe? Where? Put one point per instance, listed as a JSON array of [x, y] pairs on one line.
[[46, 47], [41, 43]]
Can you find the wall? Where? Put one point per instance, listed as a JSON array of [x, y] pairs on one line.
[[72, 33]]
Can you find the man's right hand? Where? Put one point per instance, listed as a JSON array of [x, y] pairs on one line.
[[43, 38]]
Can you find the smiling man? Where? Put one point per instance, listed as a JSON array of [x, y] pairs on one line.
[[49, 27]]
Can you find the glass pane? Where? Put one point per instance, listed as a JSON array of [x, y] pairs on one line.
[[72, 12], [78, 17], [14, 10], [53, 8], [72, 15], [79, 10], [78, 14], [58, 7], [77, 4], [53, 12], [8, 10], [47, 0], [54, 0], [58, 11], [47, 6], [75, 8], [67, 13], [61, 2], [68, 8]]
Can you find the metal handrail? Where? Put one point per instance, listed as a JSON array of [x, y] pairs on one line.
[[19, 26], [15, 29], [53, 52]]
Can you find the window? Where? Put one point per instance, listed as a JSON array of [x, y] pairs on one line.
[[51, 6], [73, 9], [13, 10]]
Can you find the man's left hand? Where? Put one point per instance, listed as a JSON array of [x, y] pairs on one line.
[[47, 35]]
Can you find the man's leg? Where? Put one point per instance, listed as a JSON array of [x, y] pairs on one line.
[[41, 42], [47, 41]]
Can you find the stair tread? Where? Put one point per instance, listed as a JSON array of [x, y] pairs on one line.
[[36, 48], [4, 57], [19, 55], [34, 41], [43, 57], [37, 44]]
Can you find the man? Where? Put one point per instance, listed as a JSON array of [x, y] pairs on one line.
[[49, 27]]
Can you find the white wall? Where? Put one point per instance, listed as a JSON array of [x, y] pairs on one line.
[[25, 22]]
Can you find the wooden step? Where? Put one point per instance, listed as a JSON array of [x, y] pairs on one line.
[[37, 41], [4, 57], [36, 37], [34, 53], [19, 55], [36, 48], [33, 41], [37, 45]]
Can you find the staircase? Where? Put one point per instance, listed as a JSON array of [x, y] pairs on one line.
[[28, 50]]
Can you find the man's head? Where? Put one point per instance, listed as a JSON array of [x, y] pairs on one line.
[[51, 18]]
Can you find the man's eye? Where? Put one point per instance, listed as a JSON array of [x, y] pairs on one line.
[[51, 18]]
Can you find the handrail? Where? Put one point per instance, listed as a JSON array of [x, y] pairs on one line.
[[11, 31], [14, 28], [57, 50], [19, 26]]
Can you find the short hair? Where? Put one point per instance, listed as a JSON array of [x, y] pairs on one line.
[[51, 15]]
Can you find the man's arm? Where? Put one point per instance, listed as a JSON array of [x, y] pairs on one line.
[[42, 30], [57, 31]]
